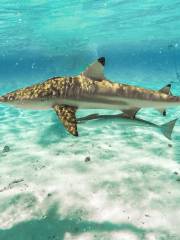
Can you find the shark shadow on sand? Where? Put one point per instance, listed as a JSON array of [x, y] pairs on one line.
[[51, 227], [51, 134]]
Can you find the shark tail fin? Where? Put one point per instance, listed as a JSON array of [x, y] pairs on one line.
[[167, 128]]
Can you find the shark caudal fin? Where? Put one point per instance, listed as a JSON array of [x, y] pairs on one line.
[[167, 128]]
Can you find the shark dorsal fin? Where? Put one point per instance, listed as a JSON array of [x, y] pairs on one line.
[[166, 89], [130, 113], [96, 70]]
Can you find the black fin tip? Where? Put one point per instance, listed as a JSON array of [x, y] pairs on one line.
[[101, 60]]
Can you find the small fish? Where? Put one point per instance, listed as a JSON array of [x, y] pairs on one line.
[[90, 90]]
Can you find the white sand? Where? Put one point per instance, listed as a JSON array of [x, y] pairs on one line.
[[129, 189]]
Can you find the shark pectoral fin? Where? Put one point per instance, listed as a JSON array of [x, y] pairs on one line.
[[130, 113], [167, 128], [67, 114], [96, 70]]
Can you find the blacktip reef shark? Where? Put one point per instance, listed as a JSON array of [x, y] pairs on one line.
[[88, 90], [166, 128]]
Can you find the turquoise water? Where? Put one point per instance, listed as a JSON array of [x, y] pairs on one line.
[[130, 187]]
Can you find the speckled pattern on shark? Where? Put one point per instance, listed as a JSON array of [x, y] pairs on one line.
[[53, 88], [67, 115]]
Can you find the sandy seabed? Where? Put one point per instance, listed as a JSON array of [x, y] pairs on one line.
[[113, 182]]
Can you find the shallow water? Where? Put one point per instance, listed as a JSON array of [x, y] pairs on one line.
[[130, 187]]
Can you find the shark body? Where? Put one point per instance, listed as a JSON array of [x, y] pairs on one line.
[[166, 128], [89, 90]]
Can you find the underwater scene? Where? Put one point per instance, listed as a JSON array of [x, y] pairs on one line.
[[119, 179]]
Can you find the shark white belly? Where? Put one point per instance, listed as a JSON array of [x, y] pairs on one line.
[[97, 102]]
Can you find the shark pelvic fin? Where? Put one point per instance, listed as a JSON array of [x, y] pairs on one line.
[[130, 113], [67, 114], [96, 70], [167, 128], [162, 111]]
